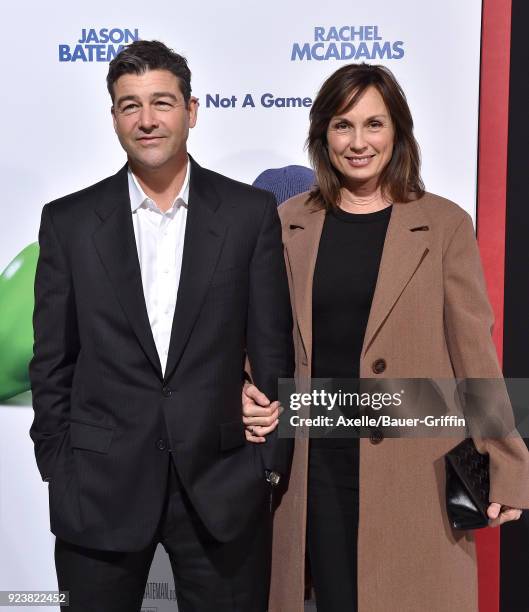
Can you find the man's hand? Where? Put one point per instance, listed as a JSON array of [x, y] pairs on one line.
[[502, 514], [259, 415]]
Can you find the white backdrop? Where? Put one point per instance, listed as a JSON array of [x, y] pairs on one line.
[[58, 138]]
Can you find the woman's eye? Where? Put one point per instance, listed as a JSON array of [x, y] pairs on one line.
[[375, 124], [341, 126]]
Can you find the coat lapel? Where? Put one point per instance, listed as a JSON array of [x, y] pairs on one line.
[[405, 248], [302, 240], [204, 237], [116, 246]]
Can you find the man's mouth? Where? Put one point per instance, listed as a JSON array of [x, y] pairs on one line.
[[149, 138]]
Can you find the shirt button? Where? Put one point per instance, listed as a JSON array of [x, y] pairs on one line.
[[379, 366], [160, 444], [376, 436], [166, 392]]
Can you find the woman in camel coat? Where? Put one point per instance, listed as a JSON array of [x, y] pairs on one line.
[[428, 317]]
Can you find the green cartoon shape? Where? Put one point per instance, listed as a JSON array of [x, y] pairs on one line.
[[16, 329]]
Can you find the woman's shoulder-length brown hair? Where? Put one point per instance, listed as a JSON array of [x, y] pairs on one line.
[[400, 181]]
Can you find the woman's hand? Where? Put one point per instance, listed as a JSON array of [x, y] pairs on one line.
[[502, 514], [259, 415]]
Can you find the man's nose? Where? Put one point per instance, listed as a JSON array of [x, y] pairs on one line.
[[147, 118]]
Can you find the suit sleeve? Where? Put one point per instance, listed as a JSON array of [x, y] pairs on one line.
[[55, 349], [468, 322], [269, 328]]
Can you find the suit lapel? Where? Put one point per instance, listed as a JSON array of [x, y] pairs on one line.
[[204, 237], [302, 241], [405, 247], [116, 246]]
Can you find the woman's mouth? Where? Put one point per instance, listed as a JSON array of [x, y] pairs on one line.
[[359, 161]]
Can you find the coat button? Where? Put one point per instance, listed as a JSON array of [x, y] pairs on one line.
[[166, 392], [379, 365], [376, 436], [160, 444]]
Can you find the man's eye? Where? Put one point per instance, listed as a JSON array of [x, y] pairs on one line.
[[129, 108], [163, 104]]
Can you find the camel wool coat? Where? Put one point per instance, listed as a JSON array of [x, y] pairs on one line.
[[430, 318]]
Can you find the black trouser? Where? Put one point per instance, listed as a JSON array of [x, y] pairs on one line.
[[332, 523], [209, 576]]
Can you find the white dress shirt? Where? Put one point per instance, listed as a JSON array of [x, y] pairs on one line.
[[160, 243]]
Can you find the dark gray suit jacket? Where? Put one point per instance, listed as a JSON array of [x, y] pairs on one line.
[[104, 414]]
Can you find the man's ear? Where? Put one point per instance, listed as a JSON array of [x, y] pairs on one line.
[[192, 107]]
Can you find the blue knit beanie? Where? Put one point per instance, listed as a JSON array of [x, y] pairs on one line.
[[286, 182]]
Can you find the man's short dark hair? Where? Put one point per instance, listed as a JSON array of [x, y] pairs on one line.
[[143, 55]]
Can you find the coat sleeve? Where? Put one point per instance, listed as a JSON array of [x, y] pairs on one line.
[[468, 326], [269, 328], [55, 348]]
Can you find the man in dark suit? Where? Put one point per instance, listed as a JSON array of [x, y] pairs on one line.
[[151, 286]]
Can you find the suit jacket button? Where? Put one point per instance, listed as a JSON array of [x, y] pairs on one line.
[[376, 436], [160, 444], [379, 365], [166, 392]]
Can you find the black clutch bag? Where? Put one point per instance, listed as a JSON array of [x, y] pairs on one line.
[[467, 486]]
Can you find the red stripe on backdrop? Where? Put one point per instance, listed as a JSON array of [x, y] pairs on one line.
[[492, 184]]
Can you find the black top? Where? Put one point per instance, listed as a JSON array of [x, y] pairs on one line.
[[345, 277], [344, 283]]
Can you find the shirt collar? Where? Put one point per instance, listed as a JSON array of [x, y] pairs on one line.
[[138, 198]]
